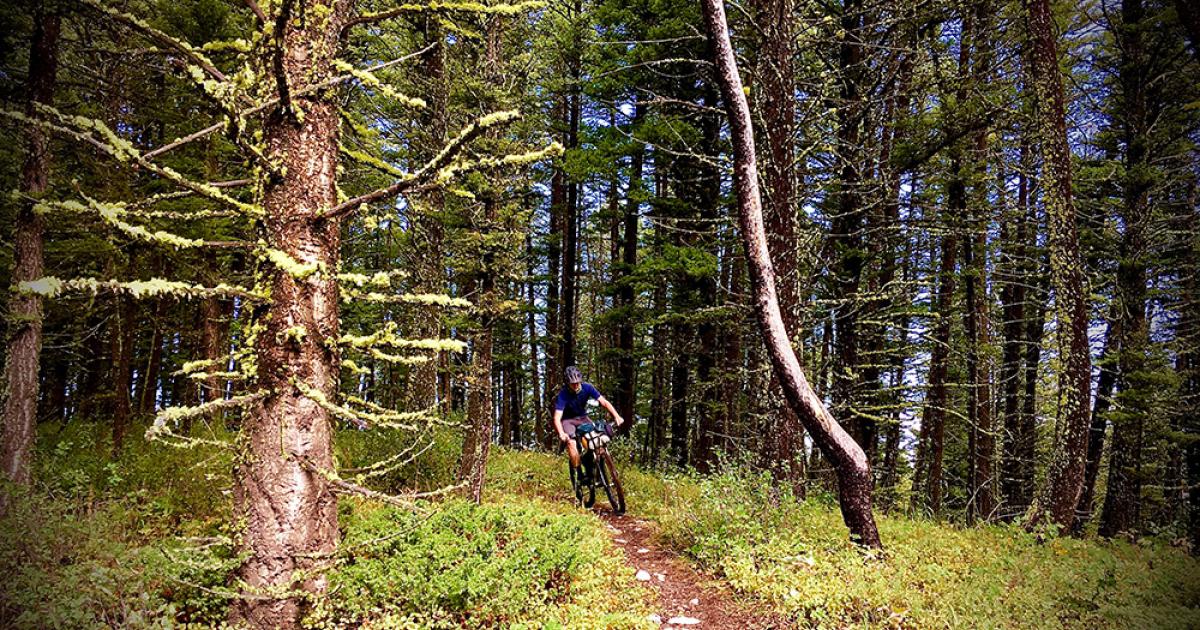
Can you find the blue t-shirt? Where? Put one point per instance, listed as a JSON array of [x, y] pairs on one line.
[[575, 405]]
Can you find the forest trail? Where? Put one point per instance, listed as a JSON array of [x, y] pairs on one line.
[[685, 597]]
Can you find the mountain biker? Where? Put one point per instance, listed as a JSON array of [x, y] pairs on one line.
[[570, 410]]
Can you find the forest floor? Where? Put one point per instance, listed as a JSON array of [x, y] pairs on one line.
[[684, 597], [119, 544]]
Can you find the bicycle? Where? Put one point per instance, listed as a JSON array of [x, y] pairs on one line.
[[596, 468]]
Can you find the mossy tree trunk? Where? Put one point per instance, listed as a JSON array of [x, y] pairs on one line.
[[24, 338], [1064, 478], [288, 511]]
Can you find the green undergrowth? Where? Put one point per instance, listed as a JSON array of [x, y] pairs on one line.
[[796, 558], [517, 564], [147, 541]]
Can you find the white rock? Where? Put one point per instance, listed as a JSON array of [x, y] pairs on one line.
[[643, 575], [660, 576], [643, 550], [694, 601], [683, 621], [620, 540], [654, 618]]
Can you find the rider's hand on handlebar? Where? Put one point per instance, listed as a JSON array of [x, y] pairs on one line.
[[619, 420], [562, 436]]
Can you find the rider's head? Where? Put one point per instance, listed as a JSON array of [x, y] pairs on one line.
[[573, 378]]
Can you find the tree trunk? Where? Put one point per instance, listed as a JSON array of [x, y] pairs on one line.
[[288, 510], [570, 223], [540, 426], [553, 341], [933, 419], [211, 343], [680, 368], [1027, 436], [1100, 407], [853, 471], [1122, 502], [473, 465], [777, 101], [121, 337], [847, 226], [1011, 275], [660, 340], [24, 340], [148, 396], [1064, 479], [423, 386], [480, 403], [627, 360]]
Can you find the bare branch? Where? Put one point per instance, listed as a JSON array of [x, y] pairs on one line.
[[258, 109], [257, 10], [430, 169], [195, 56]]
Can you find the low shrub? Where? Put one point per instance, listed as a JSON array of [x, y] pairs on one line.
[[796, 557], [509, 565]]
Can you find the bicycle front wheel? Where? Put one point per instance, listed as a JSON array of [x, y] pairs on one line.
[[612, 484]]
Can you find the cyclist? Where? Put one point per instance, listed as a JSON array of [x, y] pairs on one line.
[[570, 410]]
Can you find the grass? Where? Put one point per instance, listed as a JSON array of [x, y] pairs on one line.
[[795, 559], [119, 544]]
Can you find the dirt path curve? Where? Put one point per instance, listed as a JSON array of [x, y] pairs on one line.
[[686, 598]]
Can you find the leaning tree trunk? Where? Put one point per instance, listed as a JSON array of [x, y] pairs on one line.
[[850, 463], [1064, 478], [20, 386], [287, 507]]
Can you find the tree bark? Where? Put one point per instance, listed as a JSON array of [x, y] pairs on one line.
[[553, 340], [1064, 478], [847, 226], [1122, 502], [288, 509], [147, 400], [121, 337], [853, 471], [777, 82], [423, 386], [1100, 407], [1010, 274], [933, 419], [627, 360], [540, 413], [24, 334]]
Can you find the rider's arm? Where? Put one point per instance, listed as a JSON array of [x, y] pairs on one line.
[[611, 411], [562, 435]]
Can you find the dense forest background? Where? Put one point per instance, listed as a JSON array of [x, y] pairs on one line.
[[505, 190]]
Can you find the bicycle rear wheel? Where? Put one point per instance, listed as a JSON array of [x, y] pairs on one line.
[[607, 470]]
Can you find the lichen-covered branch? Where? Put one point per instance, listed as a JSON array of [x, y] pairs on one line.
[[51, 287], [430, 169]]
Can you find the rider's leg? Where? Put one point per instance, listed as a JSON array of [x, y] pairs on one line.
[[573, 453]]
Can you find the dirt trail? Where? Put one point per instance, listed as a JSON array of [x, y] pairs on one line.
[[685, 596]]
